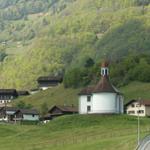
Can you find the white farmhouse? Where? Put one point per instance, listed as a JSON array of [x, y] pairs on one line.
[[103, 98], [138, 107]]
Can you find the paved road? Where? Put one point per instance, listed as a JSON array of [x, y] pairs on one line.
[[145, 144]]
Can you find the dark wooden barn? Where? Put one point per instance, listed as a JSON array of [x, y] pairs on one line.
[[62, 110], [6, 95], [48, 81]]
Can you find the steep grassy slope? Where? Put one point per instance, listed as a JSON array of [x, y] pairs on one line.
[[136, 90], [75, 133], [82, 29], [55, 96], [61, 96]]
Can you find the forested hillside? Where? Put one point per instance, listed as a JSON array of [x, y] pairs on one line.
[[56, 37]]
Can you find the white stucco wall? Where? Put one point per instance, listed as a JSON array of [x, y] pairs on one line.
[[147, 110], [120, 104], [101, 103], [83, 103], [30, 117], [44, 88], [104, 103]]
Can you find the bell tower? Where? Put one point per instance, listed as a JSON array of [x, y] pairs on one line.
[[105, 69]]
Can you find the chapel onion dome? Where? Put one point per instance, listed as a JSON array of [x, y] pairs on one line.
[[105, 64], [104, 85]]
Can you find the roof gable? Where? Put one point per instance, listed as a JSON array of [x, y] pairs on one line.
[[142, 102], [28, 111], [8, 92], [64, 109]]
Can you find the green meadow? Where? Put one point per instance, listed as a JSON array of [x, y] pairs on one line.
[[78, 132]]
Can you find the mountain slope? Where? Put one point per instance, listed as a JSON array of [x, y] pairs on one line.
[[82, 29]]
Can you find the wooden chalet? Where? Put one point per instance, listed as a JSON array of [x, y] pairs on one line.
[[7, 113], [26, 115], [12, 114], [7, 95], [56, 111], [138, 107], [46, 82]]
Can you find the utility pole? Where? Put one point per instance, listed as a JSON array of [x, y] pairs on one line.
[[138, 127], [138, 123], [5, 106]]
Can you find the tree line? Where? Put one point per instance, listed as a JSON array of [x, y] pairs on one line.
[[131, 68]]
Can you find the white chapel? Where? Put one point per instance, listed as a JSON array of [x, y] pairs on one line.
[[103, 98]]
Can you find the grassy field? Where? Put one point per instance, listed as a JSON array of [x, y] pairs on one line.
[[59, 95], [90, 132]]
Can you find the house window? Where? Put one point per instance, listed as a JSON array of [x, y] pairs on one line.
[[140, 111], [33, 115], [132, 105], [88, 98], [138, 105], [131, 112], [88, 108]]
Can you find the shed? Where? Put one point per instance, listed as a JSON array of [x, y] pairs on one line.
[[62, 110]]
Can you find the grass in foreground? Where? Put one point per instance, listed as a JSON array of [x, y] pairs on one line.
[[78, 132]]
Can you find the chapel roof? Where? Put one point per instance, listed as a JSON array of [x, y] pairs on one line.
[[104, 85]]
